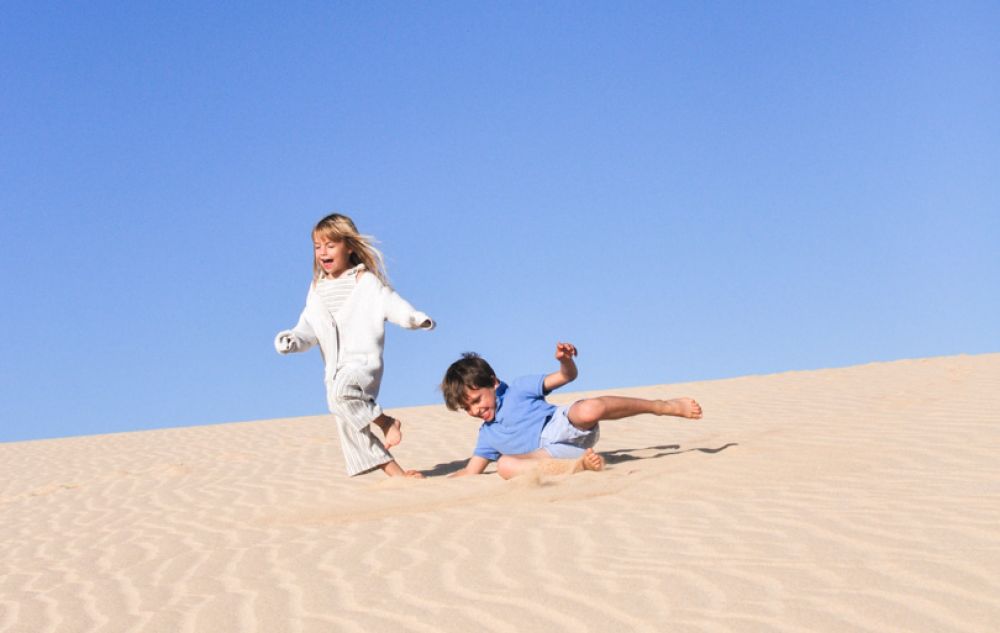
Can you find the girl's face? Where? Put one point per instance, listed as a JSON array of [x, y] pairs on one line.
[[333, 255]]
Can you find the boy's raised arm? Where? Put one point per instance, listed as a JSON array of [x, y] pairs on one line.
[[567, 368], [475, 466]]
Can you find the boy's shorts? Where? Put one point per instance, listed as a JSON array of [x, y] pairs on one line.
[[562, 440]]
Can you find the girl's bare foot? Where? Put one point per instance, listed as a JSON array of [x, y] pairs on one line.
[[590, 461], [680, 407], [392, 429], [395, 470]]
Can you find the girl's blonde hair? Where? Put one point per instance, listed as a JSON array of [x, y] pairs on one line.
[[337, 227]]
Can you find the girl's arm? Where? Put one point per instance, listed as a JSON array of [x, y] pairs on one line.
[[298, 339], [399, 311]]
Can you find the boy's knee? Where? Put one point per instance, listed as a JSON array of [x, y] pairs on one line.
[[587, 412], [506, 467]]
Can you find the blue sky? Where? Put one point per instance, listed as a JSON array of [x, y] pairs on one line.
[[686, 191]]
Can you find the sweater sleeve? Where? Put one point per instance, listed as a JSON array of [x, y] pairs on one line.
[[399, 311], [298, 339]]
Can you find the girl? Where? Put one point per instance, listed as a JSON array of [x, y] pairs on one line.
[[347, 306]]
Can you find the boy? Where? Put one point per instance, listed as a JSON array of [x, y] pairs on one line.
[[521, 431]]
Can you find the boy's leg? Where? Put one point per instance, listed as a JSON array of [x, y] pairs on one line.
[[585, 414], [510, 466]]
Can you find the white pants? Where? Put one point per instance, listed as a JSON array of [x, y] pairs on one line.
[[355, 410]]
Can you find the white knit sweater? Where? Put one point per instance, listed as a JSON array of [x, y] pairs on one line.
[[355, 338]]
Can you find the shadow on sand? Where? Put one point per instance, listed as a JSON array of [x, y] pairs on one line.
[[441, 470], [629, 455], [610, 457]]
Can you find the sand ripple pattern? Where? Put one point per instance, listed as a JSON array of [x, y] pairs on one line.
[[857, 499]]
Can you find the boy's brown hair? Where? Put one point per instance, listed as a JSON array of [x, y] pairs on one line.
[[471, 371]]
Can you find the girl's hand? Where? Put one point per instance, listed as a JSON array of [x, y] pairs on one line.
[[284, 342], [565, 351]]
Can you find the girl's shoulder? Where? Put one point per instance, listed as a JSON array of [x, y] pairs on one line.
[[367, 279]]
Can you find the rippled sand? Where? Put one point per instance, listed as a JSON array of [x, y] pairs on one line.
[[856, 499]]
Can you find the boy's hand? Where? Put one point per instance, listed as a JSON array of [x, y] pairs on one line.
[[565, 351], [567, 368]]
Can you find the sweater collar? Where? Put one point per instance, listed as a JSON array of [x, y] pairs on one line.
[[350, 272]]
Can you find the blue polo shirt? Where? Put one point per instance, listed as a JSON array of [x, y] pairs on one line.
[[517, 425]]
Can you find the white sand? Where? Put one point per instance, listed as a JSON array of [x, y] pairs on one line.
[[857, 499]]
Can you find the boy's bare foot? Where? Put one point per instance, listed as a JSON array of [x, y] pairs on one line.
[[590, 461], [392, 429], [413, 474], [680, 407]]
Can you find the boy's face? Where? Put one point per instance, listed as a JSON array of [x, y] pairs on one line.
[[482, 402]]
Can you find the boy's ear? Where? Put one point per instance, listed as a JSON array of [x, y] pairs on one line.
[[496, 382]]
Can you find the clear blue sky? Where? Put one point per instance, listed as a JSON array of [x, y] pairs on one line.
[[686, 191]]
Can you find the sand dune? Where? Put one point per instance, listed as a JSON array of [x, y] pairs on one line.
[[856, 499]]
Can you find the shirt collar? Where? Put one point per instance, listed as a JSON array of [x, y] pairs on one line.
[[501, 392]]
